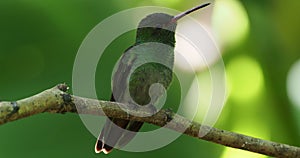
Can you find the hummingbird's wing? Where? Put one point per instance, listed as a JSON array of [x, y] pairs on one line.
[[114, 127]]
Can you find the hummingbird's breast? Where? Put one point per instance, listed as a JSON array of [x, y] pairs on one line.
[[140, 67]]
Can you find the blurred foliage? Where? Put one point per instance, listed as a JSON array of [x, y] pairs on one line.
[[39, 41]]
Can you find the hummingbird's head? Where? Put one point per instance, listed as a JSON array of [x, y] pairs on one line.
[[157, 27], [160, 27]]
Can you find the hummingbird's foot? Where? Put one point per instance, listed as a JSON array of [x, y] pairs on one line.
[[169, 114]]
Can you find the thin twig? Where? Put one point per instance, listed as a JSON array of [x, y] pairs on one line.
[[57, 100]]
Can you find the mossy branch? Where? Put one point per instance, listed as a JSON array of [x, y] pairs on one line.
[[57, 100]]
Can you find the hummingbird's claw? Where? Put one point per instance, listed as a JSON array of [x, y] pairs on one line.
[[169, 114]]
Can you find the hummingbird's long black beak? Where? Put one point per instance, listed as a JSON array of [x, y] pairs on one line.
[[179, 16]]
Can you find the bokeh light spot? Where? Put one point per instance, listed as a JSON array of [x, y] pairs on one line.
[[236, 153], [230, 22], [293, 84], [245, 78], [248, 126]]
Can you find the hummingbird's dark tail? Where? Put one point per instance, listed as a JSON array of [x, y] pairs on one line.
[[102, 147], [110, 134], [116, 133], [100, 144]]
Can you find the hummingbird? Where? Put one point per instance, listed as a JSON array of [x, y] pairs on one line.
[[150, 60]]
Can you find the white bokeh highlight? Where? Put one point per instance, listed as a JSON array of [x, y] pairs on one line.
[[293, 84]]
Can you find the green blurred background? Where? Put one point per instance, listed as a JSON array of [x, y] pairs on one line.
[[259, 42]]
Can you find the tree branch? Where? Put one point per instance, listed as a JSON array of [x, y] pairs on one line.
[[57, 100]]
